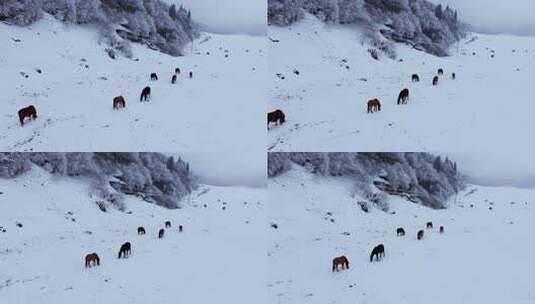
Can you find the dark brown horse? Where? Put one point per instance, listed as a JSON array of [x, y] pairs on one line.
[[145, 94], [400, 232], [378, 252], [140, 230], [276, 117], [440, 72], [118, 102], [161, 233], [415, 78], [403, 96], [177, 71], [441, 229], [125, 250], [173, 79], [429, 225], [153, 76], [29, 112], [374, 105], [435, 80], [340, 261], [420, 235], [92, 258], [168, 224]]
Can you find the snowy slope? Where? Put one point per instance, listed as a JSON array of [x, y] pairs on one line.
[[484, 256], [325, 104], [43, 262], [220, 108]]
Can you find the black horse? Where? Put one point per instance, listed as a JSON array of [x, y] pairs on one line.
[[140, 230], [153, 76], [177, 71], [125, 250], [168, 224], [145, 94], [403, 96], [190, 74], [440, 72], [441, 229], [400, 232], [180, 228], [429, 225], [415, 78], [161, 233], [173, 79], [453, 76], [378, 252]]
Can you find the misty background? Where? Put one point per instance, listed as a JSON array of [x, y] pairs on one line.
[[496, 16], [497, 168], [228, 16]]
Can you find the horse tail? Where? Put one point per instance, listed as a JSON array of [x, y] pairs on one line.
[[399, 98], [119, 254], [371, 257]]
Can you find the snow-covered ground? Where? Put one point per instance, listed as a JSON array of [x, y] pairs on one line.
[[218, 258], [222, 107], [325, 105], [484, 256]]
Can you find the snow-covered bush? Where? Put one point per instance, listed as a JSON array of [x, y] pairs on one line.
[[152, 176], [151, 22], [419, 23], [421, 177]]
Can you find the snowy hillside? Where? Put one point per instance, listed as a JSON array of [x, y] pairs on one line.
[[325, 104], [484, 256], [73, 94], [43, 261]]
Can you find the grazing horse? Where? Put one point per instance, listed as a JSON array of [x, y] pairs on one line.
[[453, 76], [168, 224], [118, 102], [140, 230], [374, 105], [29, 111], [153, 76], [161, 233], [340, 261], [145, 94], [415, 78], [435, 80], [277, 117], [403, 96], [440, 72], [378, 252], [190, 74], [173, 79], [429, 225], [125, 250], [441, 229], [180, 228], [92, 258], [400, 232], [177, 71], [420, 235]]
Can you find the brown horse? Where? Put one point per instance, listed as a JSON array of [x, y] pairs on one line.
[[378, 252], [400, 232], [441, 229], [276, 117], [440, 72], [118, 102], [140, 230], [168, 224], [435, 80], [415, 78], [403, 96], [340, 261], [161, 233], [374, 105], [153, 76], [173, 79], [429, 225], [420, 235], [145, 94], [125, 250], [29, 112], [92, 258]]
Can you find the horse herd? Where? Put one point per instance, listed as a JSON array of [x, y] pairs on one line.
[[119, 102], [92, 259], [378, 252], [278, 117]]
